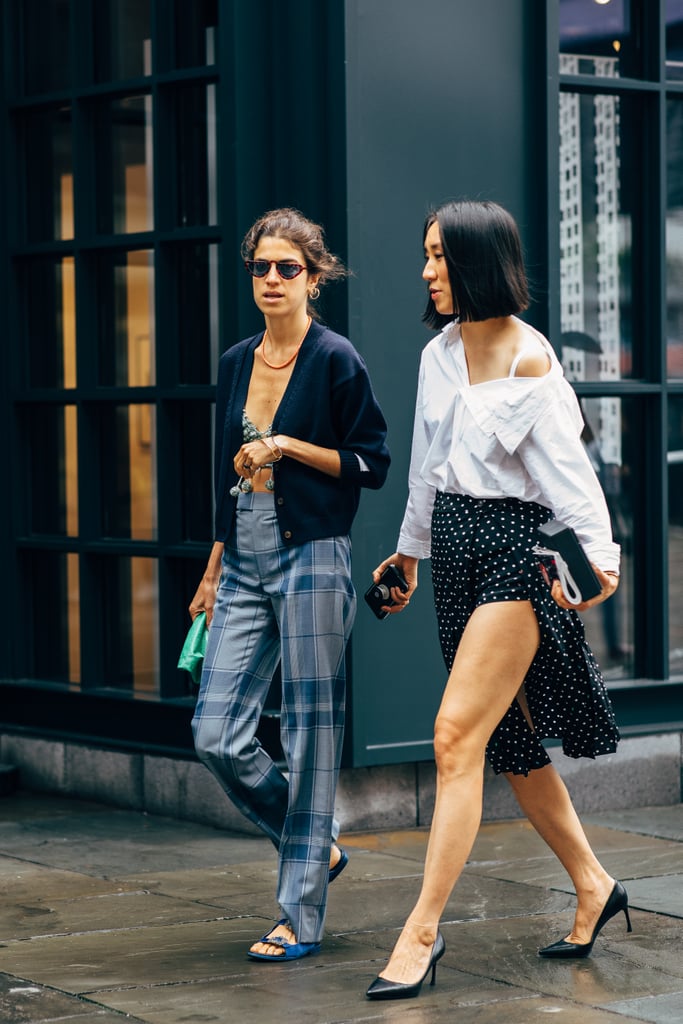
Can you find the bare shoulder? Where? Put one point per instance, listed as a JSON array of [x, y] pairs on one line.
[[531, 357], [534, 362]]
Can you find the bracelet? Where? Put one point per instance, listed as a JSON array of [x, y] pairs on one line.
[[277, 452]]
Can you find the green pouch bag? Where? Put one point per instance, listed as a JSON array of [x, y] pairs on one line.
[[192, 655]]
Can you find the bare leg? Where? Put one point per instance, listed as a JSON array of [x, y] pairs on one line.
[[483, 683], [543, 797], [335, 856]]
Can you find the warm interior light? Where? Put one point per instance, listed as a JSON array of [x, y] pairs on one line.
[[616, 45], [602, 2]]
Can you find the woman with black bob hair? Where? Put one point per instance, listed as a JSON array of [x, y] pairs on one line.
[[483, 254], [496, 453]]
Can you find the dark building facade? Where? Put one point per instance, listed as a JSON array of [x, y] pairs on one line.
[[141, 139]]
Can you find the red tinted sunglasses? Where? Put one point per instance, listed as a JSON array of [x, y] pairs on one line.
[[285, 268]]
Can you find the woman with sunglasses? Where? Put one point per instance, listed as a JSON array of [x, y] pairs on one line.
[[298, 434], [496, 453]]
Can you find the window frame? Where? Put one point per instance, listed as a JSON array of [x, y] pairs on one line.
[[651, 699]]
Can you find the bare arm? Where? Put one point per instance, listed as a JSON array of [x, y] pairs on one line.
[[205, 595], [257, 454]]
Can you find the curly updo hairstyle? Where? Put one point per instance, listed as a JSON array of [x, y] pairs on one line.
[[305, 234]]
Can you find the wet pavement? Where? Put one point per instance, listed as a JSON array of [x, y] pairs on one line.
[[109, 915]]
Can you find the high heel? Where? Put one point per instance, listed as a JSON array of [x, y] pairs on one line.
[[618, 901], [382, 988]]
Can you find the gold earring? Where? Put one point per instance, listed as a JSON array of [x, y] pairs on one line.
[[314, 293]]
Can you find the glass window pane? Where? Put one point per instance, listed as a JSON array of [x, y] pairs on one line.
[[49, 308], [596, 151], [46, 45], [74, 617], [129, 594], [125, 166], [674, 238], [126, 319], [122, 39], [195, 476], [598, 37], [675, 462], [674, 40], [50, 607], [196, 155], [49, 163], [195, 298], [127, 436], [196, 32], [52, 469], [610, 436], [145, 632]]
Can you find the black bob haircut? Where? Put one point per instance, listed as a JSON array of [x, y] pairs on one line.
[[483, 253]]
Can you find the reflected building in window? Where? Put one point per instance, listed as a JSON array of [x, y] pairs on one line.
[[591, 244]]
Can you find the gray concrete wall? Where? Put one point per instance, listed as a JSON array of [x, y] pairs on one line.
[[645, 771]]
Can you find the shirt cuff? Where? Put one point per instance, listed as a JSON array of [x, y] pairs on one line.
[[413, 548], [606, 557]]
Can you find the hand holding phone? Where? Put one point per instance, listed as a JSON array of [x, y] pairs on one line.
[[379, 594]]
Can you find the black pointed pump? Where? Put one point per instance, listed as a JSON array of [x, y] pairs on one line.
[[564, 950], [382, 988]]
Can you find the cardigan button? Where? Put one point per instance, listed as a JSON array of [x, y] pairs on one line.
[[288, 534], [280, 501]]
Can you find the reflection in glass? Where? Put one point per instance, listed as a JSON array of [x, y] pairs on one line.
[[595, 226], [674, 40], [609, 439], [49, 158], [597, 38], [52, 482], [130, 618], [196, 28], [145, 623], [46, 45], [122, 39], [128, 482], [196, 312], [50, 604], [74, 617], [126, 311], [125, 178], [49, 308], [675, 463], [674, 238], [196, 134], [195, 487]]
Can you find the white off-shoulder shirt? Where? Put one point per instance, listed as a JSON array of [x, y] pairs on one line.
[[517, 437]]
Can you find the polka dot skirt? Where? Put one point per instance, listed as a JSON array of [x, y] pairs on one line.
[[481, 553]]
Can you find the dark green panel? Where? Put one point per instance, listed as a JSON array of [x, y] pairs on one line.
[[442, 102], [288, 146]]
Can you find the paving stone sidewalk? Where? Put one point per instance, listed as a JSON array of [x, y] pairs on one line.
[[110, 915]]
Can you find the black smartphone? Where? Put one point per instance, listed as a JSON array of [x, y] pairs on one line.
[[379, 593]]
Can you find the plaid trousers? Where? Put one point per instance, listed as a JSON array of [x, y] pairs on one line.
[[293, 605]]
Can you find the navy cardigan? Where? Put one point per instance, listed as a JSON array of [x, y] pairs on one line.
[[329, 402]]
